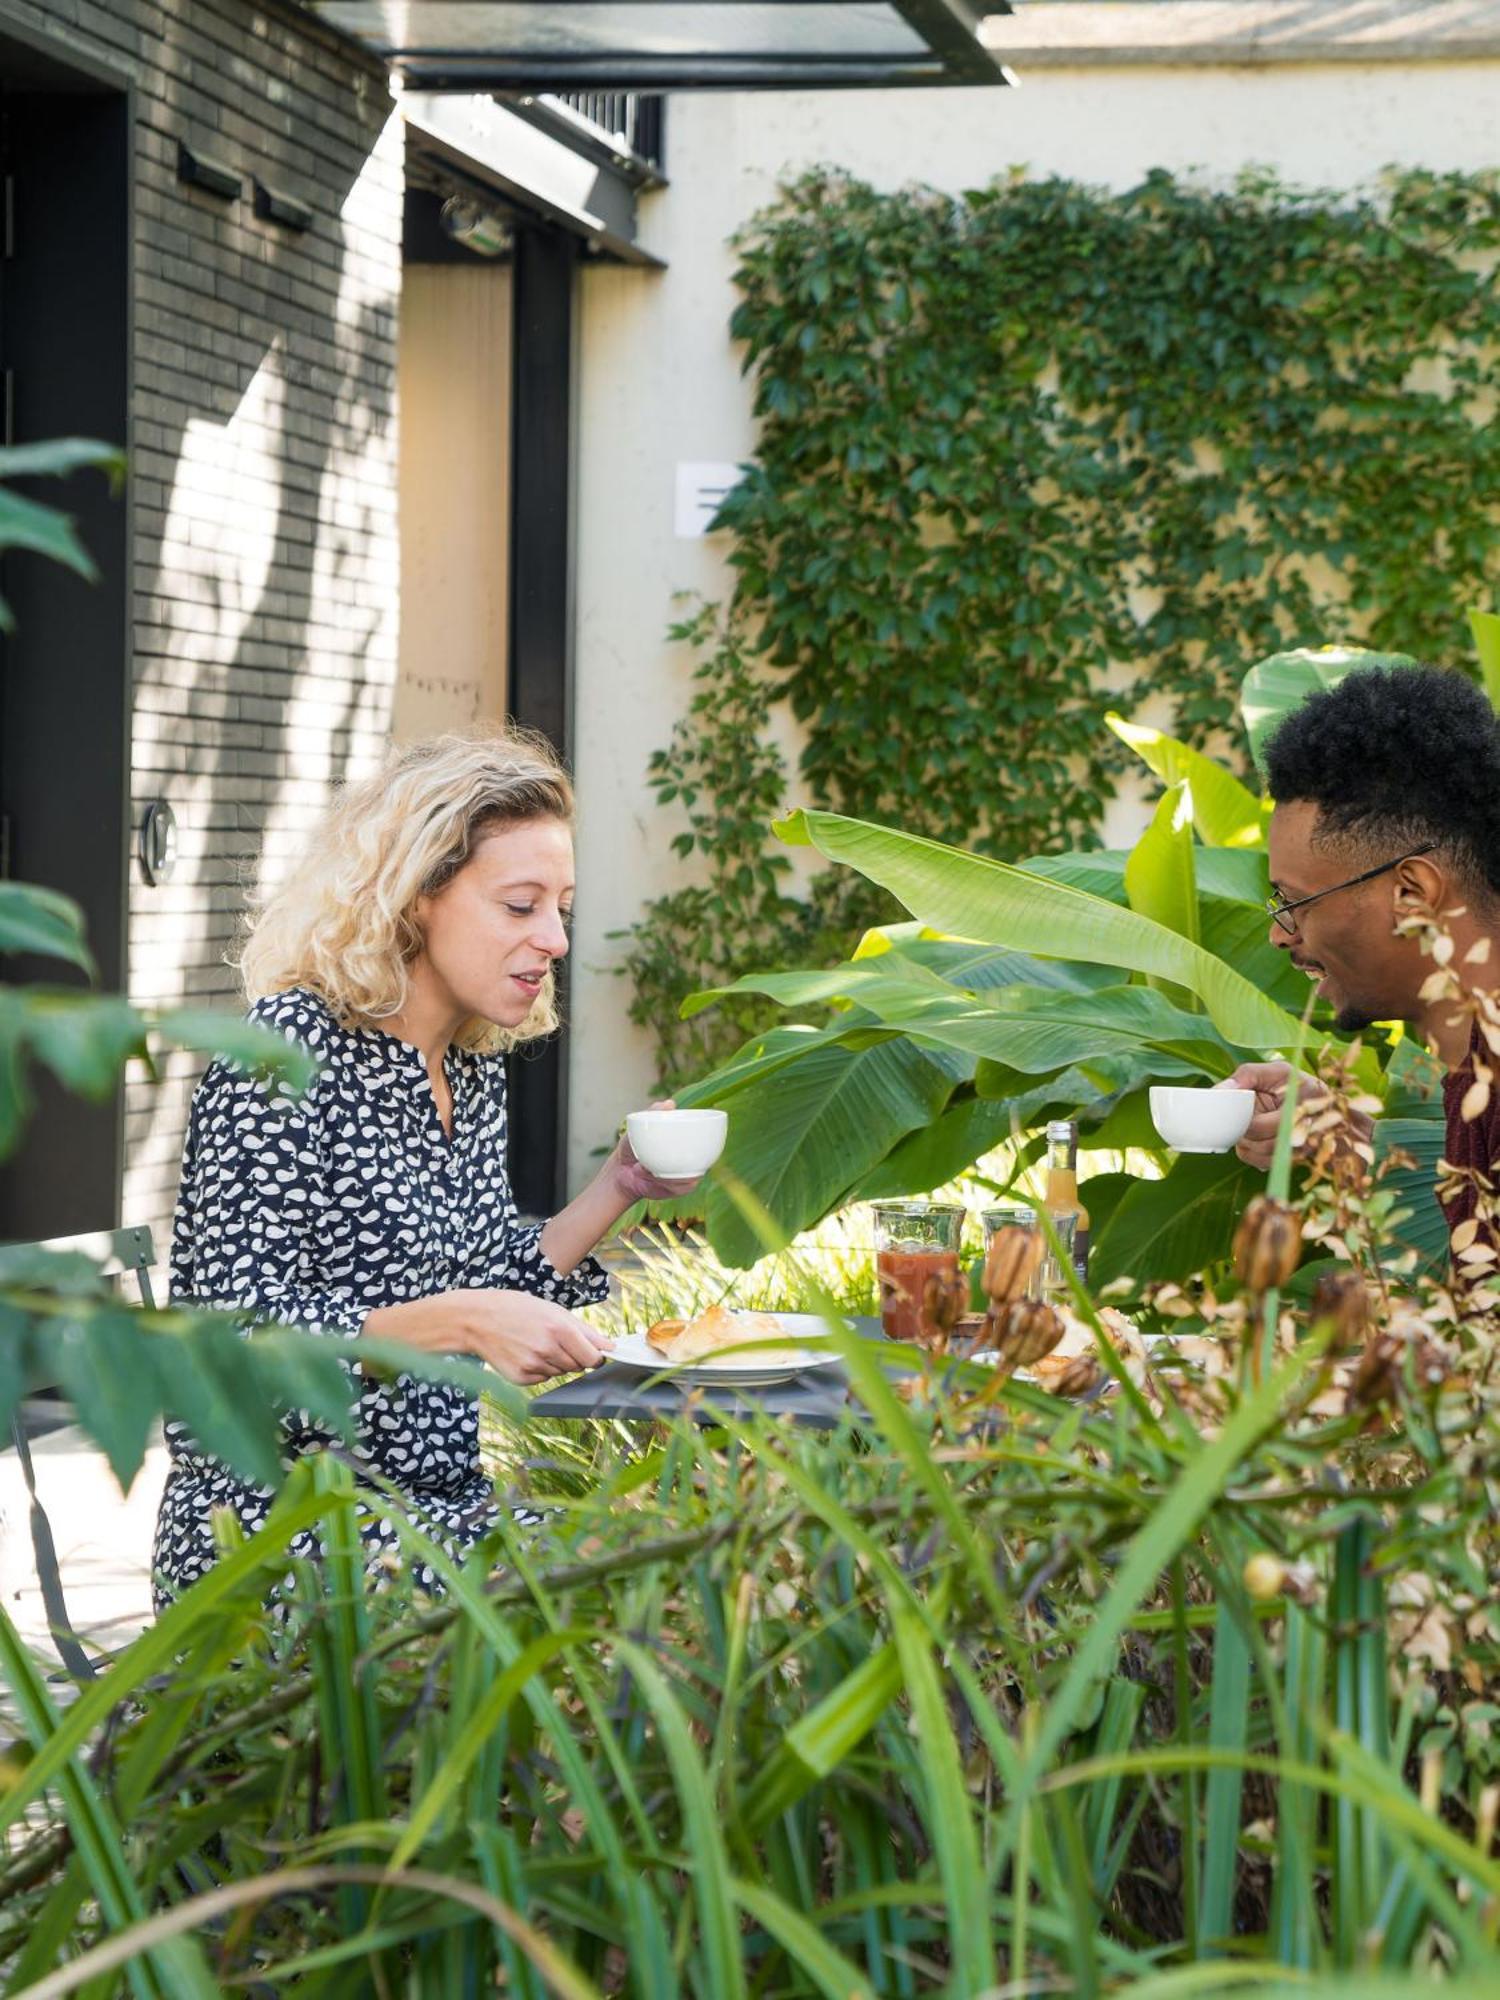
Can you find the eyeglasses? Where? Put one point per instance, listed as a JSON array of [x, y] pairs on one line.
[[1280, 911]]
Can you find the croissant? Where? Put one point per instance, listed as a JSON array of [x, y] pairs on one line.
[[683, 1341]]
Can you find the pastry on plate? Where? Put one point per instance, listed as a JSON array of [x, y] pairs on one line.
[[699, 1340]]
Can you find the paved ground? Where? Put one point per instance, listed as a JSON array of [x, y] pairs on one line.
[[103, 1539]]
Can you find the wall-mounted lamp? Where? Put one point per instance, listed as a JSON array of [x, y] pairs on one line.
[[281, 209], [478, 229], [211, 175], [156, 842]]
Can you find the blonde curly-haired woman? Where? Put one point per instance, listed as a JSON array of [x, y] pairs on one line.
[[410, 949]]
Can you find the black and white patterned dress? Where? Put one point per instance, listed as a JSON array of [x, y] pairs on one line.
[[320, 1209]]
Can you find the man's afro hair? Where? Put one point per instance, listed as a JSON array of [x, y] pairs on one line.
[[1398, 754]]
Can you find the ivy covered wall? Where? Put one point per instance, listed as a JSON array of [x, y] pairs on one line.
[[1039, 449]]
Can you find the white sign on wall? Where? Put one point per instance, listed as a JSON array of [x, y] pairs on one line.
[[701, 487]]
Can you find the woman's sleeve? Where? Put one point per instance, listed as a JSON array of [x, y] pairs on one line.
[[521, 1266], [253, 1189]]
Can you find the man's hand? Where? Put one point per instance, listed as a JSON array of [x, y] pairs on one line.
[[1269, 1082]]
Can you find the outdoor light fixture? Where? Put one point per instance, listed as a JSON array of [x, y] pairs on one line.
[[281, 209], [211, 175], [156, 844], [477, 229]]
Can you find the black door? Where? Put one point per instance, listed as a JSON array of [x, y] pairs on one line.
[[64, 669]]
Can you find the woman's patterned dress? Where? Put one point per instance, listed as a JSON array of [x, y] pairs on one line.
[[318, 1209]]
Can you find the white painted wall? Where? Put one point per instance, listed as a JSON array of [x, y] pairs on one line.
[[661, 378]]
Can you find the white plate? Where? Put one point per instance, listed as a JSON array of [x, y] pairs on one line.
[[807, 1337]]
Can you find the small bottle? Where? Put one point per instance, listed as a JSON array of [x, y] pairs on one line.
[[1060, 1196]]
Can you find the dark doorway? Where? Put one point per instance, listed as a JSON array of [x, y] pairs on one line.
[[541, 634], [64, 670]]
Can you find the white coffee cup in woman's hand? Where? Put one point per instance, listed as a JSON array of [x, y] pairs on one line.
[[666, 1152]]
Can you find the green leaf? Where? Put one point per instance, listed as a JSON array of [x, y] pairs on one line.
[[1485, 625], [1416, 1222], [1171, 1228], [108, 1371], [803, 1135], [1283, 681], [246, 1044], [85, 1039], [41, 921], [28, 524], [969, 896], [1225, 812], [937, 1153], [1159, 879], [1036, 1032], [59, 455]]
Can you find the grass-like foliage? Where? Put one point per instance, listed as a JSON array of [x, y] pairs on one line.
[[1182, 1689]]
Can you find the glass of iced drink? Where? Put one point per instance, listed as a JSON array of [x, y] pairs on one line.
[[916, 1262]]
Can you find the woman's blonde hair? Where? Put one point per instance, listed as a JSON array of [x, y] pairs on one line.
[[342, 923]]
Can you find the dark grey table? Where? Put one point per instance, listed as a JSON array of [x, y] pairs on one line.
[[818, 1396]]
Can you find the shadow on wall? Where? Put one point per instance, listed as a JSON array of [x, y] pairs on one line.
[[265, 658]]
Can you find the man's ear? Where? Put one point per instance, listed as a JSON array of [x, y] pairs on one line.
[[1423, 883]]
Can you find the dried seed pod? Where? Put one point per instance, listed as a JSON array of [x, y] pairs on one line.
[[943, 1300], [1341, 1296], [1025, 1330], [1267, 1244], [1068, 1374], [1010, 1263]]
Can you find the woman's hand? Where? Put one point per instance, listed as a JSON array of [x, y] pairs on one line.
[[638, 1183], [619, 1184], [523, 1338]]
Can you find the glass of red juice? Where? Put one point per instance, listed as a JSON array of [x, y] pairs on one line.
[[915, 1242]]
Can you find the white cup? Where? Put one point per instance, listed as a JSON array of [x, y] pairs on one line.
[[677, 1145], [1200, 1120]]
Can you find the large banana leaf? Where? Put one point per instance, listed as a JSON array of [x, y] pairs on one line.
[[1417, 1223], [1171, 1228], [1225, 812], [937, 1153], [805, 1134], [1160, 882], [961, 962], [1232, 891], [1283, 681], [967, 895], [1037, 1032]]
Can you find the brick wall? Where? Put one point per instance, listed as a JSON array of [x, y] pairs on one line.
[[263, 463]]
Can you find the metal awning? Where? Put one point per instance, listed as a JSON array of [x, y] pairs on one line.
[[570, 45]]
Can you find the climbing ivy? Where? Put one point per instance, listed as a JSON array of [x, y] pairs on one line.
[[1039, 448]]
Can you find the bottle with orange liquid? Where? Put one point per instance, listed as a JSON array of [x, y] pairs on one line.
[[1060, 1194]]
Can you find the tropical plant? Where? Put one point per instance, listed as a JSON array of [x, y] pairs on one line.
[[1062, 987]]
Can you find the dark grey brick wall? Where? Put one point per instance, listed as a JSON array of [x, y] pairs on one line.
[[263, 470]]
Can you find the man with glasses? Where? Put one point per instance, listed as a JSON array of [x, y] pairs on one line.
[[1387, 791]]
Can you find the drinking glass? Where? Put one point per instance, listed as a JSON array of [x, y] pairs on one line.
[[916, 1242], [1047, 1279]]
